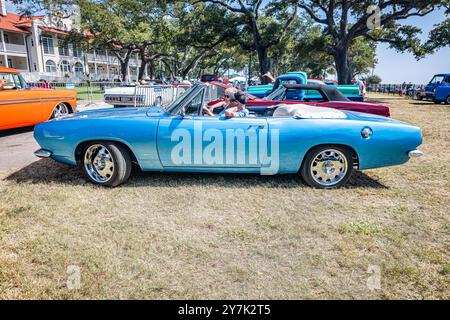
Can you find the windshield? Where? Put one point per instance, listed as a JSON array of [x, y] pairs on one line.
[[11, 81], [437, 79], [172, 108], [277, 95]]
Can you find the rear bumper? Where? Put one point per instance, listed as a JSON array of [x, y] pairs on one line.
[[415, 154], [42, 153]]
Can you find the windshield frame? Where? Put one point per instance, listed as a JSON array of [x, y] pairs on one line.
[[180, 102]]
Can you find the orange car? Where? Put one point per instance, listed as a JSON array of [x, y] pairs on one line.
[[21, 106]]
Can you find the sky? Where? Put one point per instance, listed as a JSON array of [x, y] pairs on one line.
[[396, 67]]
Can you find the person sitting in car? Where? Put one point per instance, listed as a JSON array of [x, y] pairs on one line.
[[229, 94], [236, 108]]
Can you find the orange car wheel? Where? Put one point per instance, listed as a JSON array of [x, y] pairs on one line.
[[60, 110]]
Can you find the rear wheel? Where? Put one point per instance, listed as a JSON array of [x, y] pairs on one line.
[[447, 101], [106, 163], [327, 167]]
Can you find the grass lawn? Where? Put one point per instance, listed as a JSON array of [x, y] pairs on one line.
[[208, 236], [83, 92]]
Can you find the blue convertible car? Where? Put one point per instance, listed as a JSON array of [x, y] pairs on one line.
[[323, 145]]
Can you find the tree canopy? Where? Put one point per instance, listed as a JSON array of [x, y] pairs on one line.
[[186, 38]]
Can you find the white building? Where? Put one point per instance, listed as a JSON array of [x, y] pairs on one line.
[[33, 46]]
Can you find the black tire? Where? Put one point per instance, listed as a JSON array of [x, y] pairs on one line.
[[436, 102], [307, 168], [447, 101], [121, 160]]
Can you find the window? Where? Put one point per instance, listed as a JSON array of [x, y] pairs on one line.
[[437, 79], [6, 37], [100, 52], [47, 44], [32, 42], [76, 50], [78, 68], [65, 66], [63, 48], [50, 66], [12, 81]]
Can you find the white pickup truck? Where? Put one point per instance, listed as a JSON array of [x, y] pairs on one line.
[[144, 95]]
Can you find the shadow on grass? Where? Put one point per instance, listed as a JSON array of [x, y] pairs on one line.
[[49, 171]]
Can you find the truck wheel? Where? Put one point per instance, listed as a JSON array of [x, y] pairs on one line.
[[327, 167], [436, 101], [447, 101], [106, 163]]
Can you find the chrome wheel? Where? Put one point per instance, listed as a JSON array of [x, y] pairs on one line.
[[60, 110], [329, 167], [99, 163]]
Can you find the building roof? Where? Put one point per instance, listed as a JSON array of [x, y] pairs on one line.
[[8, 70], [15, 22], [53, 30]]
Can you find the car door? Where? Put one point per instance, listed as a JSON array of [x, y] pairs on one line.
[[191, 140], [18, 106]]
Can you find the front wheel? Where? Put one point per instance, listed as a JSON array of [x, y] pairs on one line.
[[106, 163], [447, 101], [327, 167]]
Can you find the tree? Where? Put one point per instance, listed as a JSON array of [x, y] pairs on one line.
[[268, 23], [196, 33], [439, 37], [343, 21], [373, 79]]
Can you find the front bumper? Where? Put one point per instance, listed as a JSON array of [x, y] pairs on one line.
[[42, 153]]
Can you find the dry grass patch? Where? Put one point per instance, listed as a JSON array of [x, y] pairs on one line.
[[233, 236]]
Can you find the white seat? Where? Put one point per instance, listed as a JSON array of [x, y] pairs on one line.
[[303, 111]]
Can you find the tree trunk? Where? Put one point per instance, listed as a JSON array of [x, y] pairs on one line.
[[123, 63], [123, 71], [151, 70], [265, 64], [142, 68], [343, 65]]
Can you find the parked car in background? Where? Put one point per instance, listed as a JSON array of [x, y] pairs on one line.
[[318, 95], [351, 91], [437, 90], [209, 78], [22, 106], [324, 146], [144, 95]]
